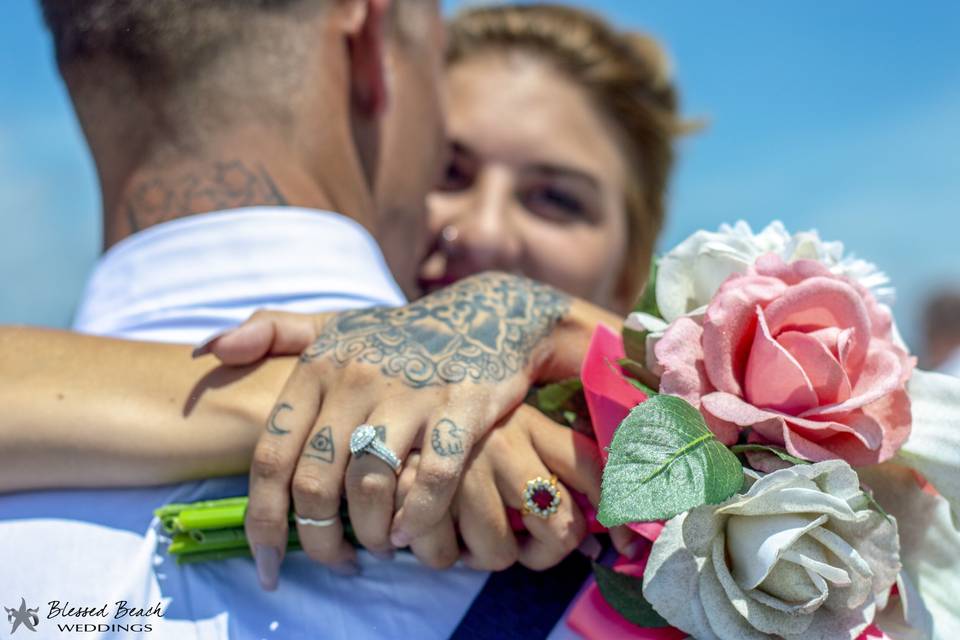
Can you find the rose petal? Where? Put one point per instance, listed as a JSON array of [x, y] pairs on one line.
[[880, 375], [729, 407], [774, 379], [790, 272], [759, 616], [826, 375], [680, 355], [756, 545], [729, 327], [671, 581], [823, 302]]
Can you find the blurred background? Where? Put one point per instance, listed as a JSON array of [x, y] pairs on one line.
[[844, 117]]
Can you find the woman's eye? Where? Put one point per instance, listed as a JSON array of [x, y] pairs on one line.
[[554, 203]]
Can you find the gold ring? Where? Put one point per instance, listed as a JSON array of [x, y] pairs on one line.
[[541, 497]]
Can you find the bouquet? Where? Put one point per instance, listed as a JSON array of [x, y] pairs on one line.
[[766, 431], [795, 474]]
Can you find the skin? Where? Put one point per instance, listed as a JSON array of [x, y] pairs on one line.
[[535, 184], [334, 162]]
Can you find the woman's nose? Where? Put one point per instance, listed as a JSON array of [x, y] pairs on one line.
[[487, 234]]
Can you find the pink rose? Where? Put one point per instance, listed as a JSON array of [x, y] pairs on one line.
[[803, 357]]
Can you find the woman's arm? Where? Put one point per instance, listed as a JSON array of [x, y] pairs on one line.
[[84, 411]]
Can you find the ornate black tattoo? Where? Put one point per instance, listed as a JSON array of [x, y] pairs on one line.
[[225, 185], [447, 438], [483, 329], [321, 446], [272, 426]]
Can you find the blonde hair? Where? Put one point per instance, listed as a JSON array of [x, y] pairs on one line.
[[627, 76]]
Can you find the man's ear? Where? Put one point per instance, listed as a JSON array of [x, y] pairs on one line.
[[367, 48]]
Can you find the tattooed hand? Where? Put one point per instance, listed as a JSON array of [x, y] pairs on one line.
[[436, 374]]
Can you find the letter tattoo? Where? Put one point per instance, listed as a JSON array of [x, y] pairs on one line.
[[272, 426], [322, 446], [447, 438]]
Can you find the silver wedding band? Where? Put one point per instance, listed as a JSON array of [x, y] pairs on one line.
[[310, 522], [364, 440]]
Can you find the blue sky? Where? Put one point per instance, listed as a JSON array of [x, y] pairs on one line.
[[840, 116]]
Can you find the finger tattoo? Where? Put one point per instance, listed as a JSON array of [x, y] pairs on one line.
[[272, 426], [447, 438], [321, 446]]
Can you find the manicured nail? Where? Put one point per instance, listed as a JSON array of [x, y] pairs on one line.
[[591, 547], [400, 539], [268, 566], [350, 568], [206, 346]]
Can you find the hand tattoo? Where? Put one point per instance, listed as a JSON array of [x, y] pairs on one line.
[[321, 446], [447, 438], [272, 425], [224, 185], [483, 329]]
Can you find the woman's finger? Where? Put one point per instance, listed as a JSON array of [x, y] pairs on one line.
[[274, 460], [551, 538], [571, 455], [482, 520], [437, 548], [371, 482], [265, 333], [318, 484], [447, 442]]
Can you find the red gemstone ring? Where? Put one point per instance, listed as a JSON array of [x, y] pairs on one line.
[[541, 497]]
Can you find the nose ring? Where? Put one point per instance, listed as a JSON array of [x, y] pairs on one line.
[[450, 233]]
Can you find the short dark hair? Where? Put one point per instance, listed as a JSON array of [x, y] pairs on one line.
[[150, 32]]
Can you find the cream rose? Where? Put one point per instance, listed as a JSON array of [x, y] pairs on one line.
[[799, 556], [690, 274]]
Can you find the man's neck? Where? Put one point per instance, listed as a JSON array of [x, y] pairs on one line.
[[227, 179]]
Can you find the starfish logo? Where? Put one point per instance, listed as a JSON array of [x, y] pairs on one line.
[[23, 616]]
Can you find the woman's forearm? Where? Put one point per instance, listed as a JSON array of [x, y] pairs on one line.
[[84, 411]]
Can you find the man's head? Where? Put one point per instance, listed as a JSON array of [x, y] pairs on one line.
[[311, 89]]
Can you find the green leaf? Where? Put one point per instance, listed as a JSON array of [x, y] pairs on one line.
[[648, 299], [664, 461], [777, 451], [625, 594], [634, 344], [554, 397], [635, 368]]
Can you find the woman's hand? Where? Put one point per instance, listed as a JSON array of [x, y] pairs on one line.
[[526, 445], [436, 374]]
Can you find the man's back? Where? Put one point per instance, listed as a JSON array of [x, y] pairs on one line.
[[96, 547]]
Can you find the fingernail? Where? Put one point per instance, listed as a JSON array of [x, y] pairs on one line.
[[268, 566], [400, 539], [206, 346], [382, 554], [348, 569], [591, 547]]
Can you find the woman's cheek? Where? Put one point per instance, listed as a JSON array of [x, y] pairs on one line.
[[578, 259]]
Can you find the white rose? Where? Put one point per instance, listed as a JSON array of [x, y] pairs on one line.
[[799, 556], [689, 275]]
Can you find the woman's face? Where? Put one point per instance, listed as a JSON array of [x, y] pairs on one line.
[[535, 184]]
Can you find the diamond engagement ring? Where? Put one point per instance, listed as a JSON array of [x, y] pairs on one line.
[[364, 440], [541, 497]]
